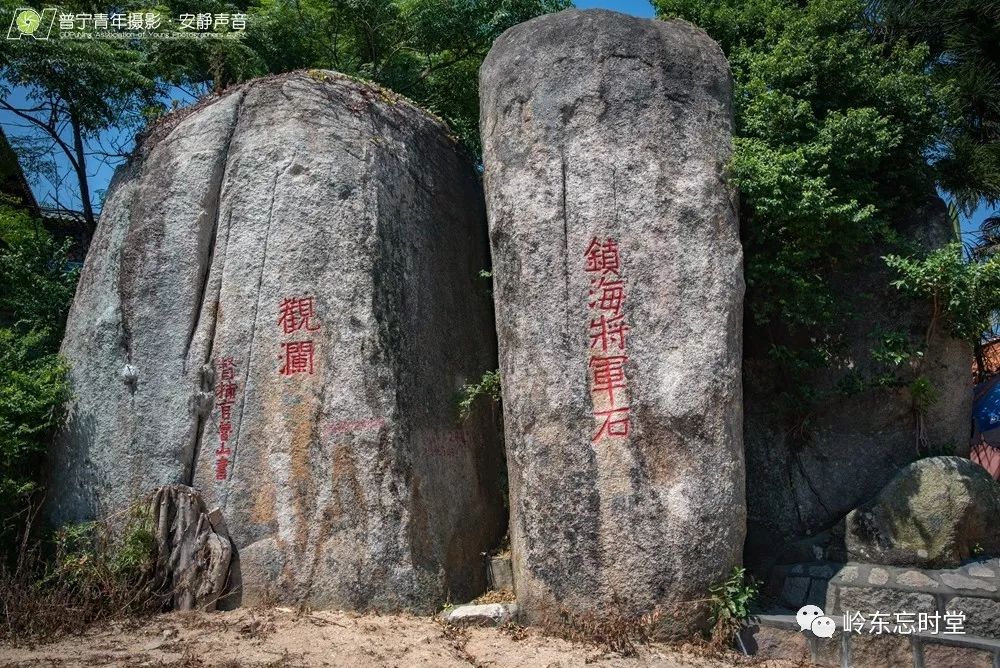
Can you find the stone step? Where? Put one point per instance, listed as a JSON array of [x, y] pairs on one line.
[[487, 614]]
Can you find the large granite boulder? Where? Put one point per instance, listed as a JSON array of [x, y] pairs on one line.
[[804, 476], [618, 286], [935, 513], [278, 309]]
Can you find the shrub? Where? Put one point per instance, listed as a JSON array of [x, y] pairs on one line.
[[93, 571], [730, 604]]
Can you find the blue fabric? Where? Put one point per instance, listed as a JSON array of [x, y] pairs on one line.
[[986, 409]]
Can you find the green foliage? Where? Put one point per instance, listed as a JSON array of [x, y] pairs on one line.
[[923, 394], [428, 50], [93, 556], [35, 290], [893, 348], [93, 571], [33, 389], [107, 83], [730, 602], [965, 294], [73, 92], [488, 386], [833, 127], [962, 36], [36, 278]]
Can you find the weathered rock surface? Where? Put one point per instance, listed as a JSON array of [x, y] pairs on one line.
[[278, 309], [935, 513], [600, 128], [802, 479], [193, 553]]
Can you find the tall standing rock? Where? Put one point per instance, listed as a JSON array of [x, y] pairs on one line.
[[279, 307], [618, 287]]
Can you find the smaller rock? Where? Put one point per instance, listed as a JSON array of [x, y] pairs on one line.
[[959, 581], [947, 655], [980, 571], [847, 574], [489, 614], [501, 573], [935, 513], [878, 576], [916, 579], [769, 643], [191, 558], [982, 615], [867, 600]]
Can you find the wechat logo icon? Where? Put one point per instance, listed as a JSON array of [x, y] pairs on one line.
[[27, 22], [811, 618]]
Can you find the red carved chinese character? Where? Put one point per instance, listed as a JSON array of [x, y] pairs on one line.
[[223, 450], [227, 369], [226, 393], [609, 375], [225, 429], [608, 295], [298, 357], [603, 257], [226, 412], [612, 427], [605, 329], [221, 468], [296, 313]]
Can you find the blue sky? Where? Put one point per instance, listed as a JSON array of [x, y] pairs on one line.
[[636, 7], [101, 173]]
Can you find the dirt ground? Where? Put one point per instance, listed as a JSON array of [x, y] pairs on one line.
[[286, 638]]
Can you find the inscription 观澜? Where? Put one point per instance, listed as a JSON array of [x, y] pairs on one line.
[[296, 314]]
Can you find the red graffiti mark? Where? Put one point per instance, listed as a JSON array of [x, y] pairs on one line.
[[608, 329], [294, 313], [603, 257], [350, 426], [225, 397], [299, 357]]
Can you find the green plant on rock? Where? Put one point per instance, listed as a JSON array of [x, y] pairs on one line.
[[488, 387], [923, 394], [964, 294], [730, 604], [833, 126]]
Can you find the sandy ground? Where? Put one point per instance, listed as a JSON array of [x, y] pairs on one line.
[[285, 638]]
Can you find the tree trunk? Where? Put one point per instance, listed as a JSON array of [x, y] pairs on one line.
[[80, 167]]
